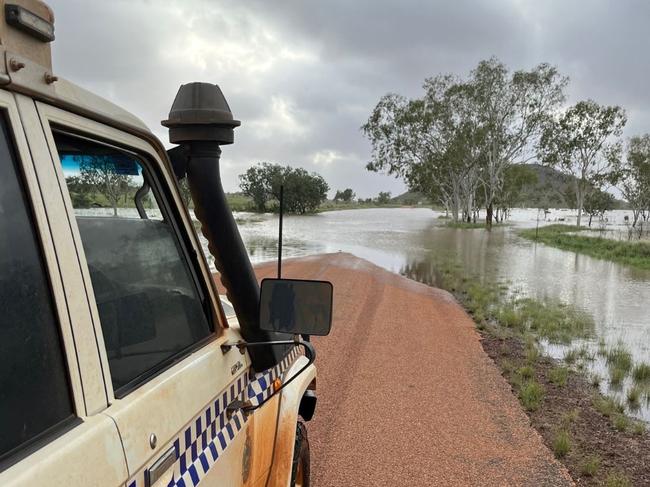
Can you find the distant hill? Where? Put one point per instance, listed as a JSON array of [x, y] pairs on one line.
[[552, 190], [411, 198]]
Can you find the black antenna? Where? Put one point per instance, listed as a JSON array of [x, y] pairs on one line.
[[280, 233]]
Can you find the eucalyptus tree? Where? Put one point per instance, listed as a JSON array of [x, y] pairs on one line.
[[632, 177], [583, 143], [459, 139], [512, 109], [428, 141]]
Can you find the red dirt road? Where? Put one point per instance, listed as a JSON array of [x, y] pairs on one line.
[[406, 394]]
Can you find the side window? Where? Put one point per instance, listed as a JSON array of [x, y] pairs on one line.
[[34, 390], [150, 306]]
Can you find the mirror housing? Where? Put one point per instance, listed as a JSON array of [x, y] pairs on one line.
[[296, 306]]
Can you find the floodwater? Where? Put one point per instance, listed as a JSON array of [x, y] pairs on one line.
[[408, 240]]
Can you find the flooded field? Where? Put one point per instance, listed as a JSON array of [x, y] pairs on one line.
[[409, 241]]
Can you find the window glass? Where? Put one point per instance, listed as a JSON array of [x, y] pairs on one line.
[[34, 388], [149, 304]]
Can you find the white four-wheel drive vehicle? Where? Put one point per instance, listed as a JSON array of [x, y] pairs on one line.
[[119, 363]]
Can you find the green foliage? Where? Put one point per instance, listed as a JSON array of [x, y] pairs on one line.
[[99, 174], [559, 376], [441, 143], [303, 192], [561, 443], [577, 143], [597, 203], [635, 254], [346, 196], [632, 177], [383, 198], [531, 395]]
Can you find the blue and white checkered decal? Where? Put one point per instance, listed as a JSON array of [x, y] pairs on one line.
[[208, 435]]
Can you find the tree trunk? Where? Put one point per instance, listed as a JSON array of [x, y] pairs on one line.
[[488, 216]]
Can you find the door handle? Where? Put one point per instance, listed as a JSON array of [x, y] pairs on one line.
[[162, 465]]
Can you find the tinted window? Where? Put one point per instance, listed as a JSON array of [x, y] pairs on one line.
[[34, 390], [150, 306]]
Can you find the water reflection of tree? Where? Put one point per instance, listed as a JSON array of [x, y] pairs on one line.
[[100, 173], [423, 271]]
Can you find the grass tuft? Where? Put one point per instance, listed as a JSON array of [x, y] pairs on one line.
[[531, 395], [559, 376], [617, 479], [561, 443], [619, 358], [608, 406], [590, 466], [641, 372], [526, 372], [634, 396], [621, 422]]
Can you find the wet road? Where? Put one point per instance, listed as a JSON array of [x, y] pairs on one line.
[[406, 394]]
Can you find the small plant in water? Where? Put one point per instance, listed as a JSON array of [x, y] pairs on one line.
[[634, 396], [561, 443], [595, 380], [619, 358], [571, 356], [641, 372], [616, 377], [559, 376], [531, 395], [590, 466]]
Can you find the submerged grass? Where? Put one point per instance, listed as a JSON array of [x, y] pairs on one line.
[[505, 316], [641, 372], [636, 254]]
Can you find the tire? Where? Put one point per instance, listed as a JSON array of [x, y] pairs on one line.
[[300, 468]]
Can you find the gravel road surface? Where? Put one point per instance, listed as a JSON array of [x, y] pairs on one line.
[[406, 395]]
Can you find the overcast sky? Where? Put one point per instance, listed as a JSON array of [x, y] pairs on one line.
[[303, 76]]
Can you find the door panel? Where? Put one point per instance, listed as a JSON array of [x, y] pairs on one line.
[[61, 456], [183, 407]]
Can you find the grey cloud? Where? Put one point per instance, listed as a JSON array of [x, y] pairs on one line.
[[303, 75]]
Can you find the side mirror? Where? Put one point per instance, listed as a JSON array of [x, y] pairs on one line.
[[296, 306]]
